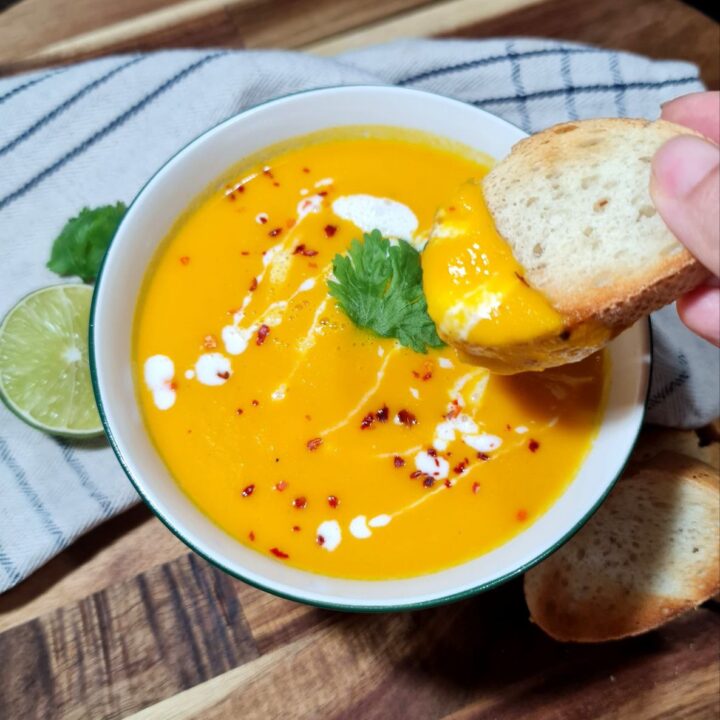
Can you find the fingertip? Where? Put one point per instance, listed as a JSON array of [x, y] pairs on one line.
[[699, 111], [681, 164], [700, 311]]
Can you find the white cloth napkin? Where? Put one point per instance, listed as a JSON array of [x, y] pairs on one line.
[[92, 134]]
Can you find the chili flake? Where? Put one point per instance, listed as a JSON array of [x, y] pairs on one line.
[[262, 333], [248, 491], [303, 250], [239, 411], [521, 515], [459, 469], [416, 474], [432, 452], [330, 230], [209, 342], [275, 232], [224, 375], [476, 488], [383, 414], [251, 536], [253, 285], [333, 502], [448, 483], [280, 486], [314, 443], [454, 410], [426, 372], [533, 445], [405, 417], [296, 528], [300, 503], [279, 553], [184, 259], [255, 403], [320, 540], [398, 461], [367, 421], [306, 169], [483, 456], [429, 481]]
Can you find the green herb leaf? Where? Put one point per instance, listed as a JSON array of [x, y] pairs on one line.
[[80, 247], [379, 287]]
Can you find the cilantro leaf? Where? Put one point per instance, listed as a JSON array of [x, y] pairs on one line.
[[80, 247], [379, 287]]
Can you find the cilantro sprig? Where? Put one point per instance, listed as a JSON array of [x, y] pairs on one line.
[[379, 287], [81, 245]]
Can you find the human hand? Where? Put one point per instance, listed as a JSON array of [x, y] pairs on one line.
[[685, 187]]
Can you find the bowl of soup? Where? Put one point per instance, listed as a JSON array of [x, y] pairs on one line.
[[299, 452]]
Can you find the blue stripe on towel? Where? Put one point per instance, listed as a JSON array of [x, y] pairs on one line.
[[492, 59], [66, 104], [11, 571], [619, 81], [83, 476], [541, 94], [31, 496], [520, 94], [107, 129], [675, 384], [31, 83], [567, 81]]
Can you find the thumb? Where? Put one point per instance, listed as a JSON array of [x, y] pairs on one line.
[[685, 187]]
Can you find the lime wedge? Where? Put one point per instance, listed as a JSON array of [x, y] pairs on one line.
[[44, 370]]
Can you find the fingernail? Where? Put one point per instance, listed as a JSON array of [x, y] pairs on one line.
[[682, 163]]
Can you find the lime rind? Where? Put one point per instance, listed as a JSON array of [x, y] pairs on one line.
[[44, 369]]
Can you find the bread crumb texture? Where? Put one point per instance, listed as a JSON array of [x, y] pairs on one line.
[[574, 204], [650, 553]]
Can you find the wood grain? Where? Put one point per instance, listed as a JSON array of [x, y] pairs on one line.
[[125, 647], [447, 17], [128, 623], [185, 641], [129, 544], [70, 30], [663, 29]]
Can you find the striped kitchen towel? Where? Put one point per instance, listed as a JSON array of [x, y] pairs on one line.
[[93, 133]]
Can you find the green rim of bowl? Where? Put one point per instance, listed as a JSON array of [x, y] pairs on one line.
[[343, 607]]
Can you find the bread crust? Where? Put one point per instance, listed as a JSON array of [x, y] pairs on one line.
[[617, 605], [629, 296]]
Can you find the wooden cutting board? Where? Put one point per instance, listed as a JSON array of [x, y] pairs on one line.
[[127, 623]]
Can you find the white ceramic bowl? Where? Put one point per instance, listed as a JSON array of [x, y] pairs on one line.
[[147, 222]]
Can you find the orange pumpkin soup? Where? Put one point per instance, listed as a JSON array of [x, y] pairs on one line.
[[309, 439]]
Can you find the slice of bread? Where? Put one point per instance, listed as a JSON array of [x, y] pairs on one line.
[[574, 205], [651, 552]]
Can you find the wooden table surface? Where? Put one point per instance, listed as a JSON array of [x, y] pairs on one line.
[[129, 623]]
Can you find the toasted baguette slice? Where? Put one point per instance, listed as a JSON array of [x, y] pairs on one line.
[[651, 552], [574, 205]]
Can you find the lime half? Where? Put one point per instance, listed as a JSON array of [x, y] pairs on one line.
[[44, 370]]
